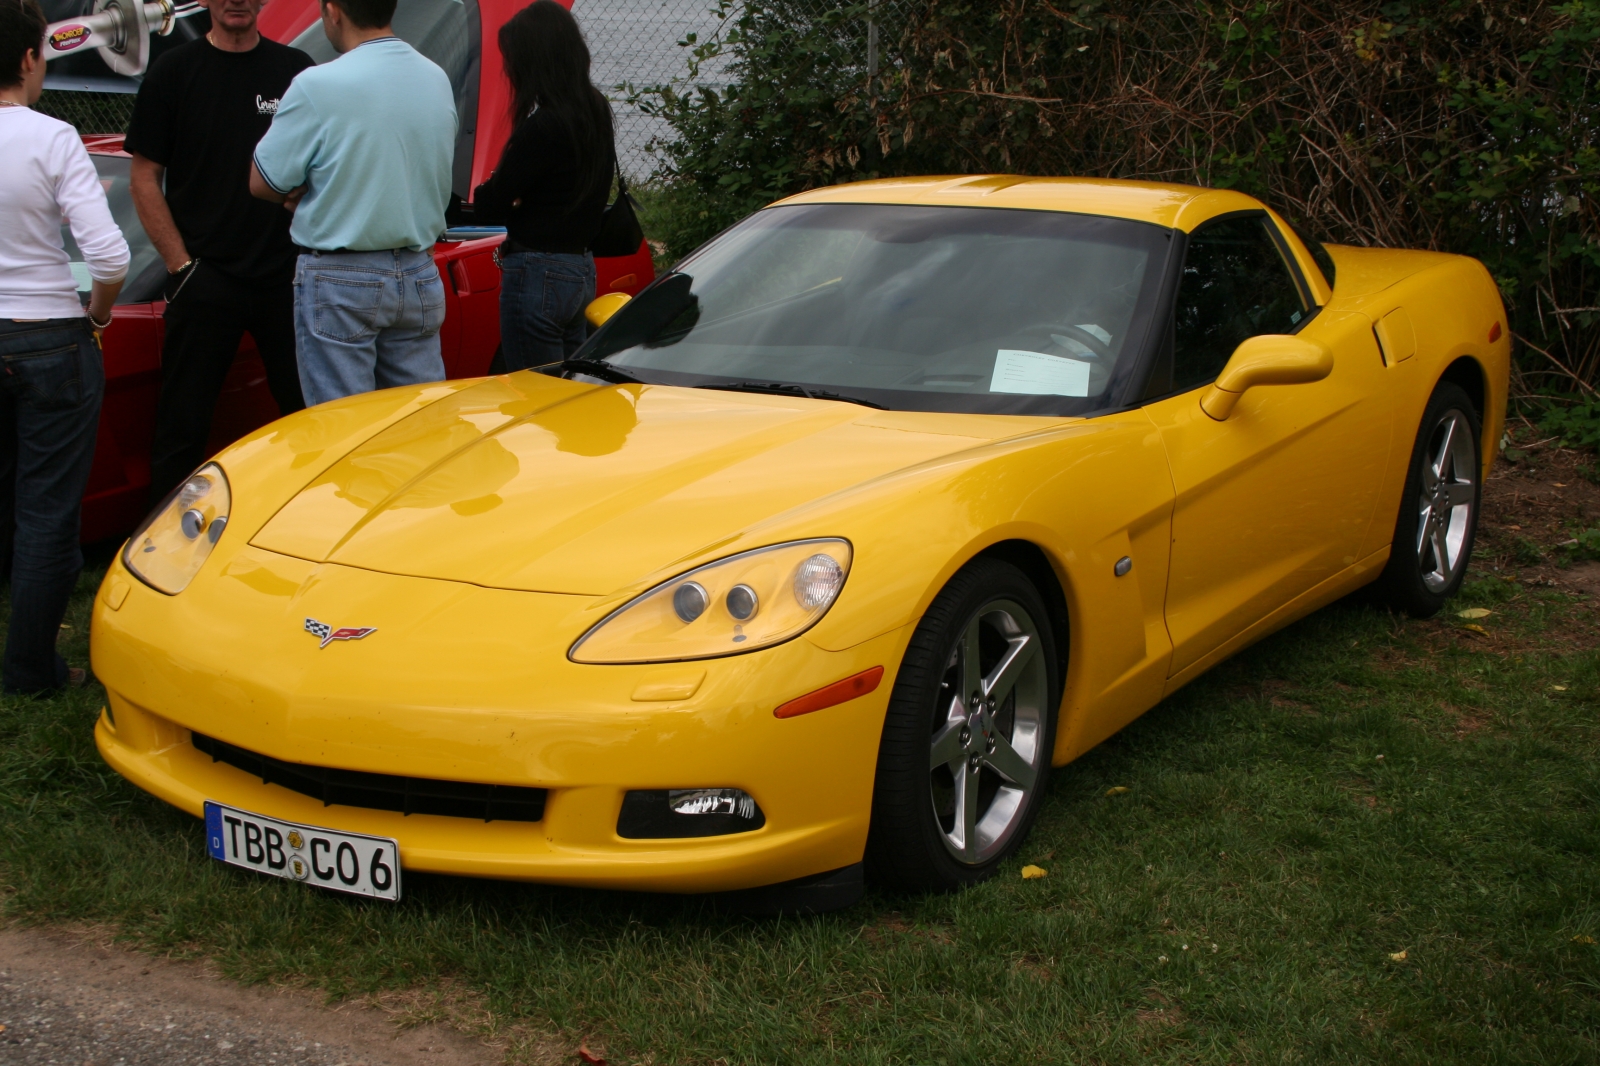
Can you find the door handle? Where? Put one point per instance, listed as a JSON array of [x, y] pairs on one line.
[[458, 276]]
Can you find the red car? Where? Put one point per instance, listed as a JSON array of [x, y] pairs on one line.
[[459, 35]]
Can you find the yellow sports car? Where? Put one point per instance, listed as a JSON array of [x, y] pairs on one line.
[[817, 557]]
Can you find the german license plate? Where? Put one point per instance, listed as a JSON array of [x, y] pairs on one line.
[[328, 858]]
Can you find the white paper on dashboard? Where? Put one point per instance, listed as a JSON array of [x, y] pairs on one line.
[[1037, 374]]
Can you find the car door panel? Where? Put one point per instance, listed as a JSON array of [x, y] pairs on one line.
[[1279, 497], [473, 300], [1276, 496]]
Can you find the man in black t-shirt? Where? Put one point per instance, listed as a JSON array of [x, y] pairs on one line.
[[230, 263]]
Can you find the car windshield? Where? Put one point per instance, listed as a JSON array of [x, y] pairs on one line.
[[145, 270], [906, 307], [446, 31]]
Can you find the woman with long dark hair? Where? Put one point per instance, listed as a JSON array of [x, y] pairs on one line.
[[550, 187], [49, 349]]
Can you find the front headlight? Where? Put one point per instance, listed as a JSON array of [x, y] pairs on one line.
[[738, 604], [168, 550]]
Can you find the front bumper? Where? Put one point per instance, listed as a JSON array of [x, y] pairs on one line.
[[463, 683]]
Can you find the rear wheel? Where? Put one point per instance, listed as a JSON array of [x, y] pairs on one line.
[[967, 739], [1438, 521]]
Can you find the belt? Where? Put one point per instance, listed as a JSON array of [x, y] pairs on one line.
[[356, 251], [511, 246]]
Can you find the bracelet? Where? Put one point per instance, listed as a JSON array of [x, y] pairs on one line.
[[97, 325], [180, 270]]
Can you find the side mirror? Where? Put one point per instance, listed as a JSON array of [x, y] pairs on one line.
[[1270, 359], [603, 307]]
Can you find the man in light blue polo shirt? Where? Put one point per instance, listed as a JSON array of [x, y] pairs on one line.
[[360, 150]]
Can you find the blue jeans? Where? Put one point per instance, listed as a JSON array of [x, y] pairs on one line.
[[366, 320], [542, 297], [49, 411]]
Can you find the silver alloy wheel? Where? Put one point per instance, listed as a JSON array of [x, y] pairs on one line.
[[1444, 507], [987, 747]]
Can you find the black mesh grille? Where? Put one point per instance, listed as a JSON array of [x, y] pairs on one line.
[[384, 792]]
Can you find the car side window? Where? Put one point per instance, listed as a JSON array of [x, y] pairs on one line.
[[1236, 284]]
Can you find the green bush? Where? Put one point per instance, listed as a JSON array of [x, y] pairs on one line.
[[791, 64], [1577, 425], [1460, 125]]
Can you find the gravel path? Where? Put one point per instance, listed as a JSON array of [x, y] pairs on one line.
[[68, 1002]]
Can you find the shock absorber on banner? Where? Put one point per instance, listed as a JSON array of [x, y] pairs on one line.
[[119, 29]]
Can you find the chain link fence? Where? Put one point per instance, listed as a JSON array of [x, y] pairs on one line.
[[641, 43], [647, 42], [89, 112]]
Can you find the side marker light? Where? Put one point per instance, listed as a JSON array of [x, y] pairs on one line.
[[832, 695], [1494, 332]]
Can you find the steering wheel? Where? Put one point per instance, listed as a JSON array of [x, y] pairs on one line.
[[1077, 333]]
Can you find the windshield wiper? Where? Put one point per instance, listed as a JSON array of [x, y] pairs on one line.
[[604, 371], [791, 389]]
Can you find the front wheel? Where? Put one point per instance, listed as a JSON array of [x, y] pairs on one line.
[[1438, 518], [968, 736]]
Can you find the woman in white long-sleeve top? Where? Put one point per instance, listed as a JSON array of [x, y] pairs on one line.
[[49, 343]]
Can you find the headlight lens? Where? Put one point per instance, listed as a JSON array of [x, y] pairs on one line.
[[168, 550], [738, 604]]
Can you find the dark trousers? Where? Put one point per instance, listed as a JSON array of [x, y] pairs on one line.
[[205, 322], [542, 297], [49, 412]]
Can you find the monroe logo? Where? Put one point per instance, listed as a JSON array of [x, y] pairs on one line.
[[69, 37], [266, 107], [327, 634]]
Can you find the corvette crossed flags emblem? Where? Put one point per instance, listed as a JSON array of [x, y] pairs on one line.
[[327, 634]]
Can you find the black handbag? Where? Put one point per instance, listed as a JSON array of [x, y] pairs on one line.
[[619, 232]]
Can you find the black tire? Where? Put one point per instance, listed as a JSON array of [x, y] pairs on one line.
[[909, 845], [1420, 577]]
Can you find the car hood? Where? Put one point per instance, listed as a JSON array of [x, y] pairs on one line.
[[542, 484]]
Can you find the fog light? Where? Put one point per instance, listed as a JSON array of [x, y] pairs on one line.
[[656, 814], [697, 801]]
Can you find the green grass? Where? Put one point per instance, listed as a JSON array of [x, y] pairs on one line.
[[1354, 787]]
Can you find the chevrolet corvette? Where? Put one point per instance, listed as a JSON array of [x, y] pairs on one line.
[[817, 558]]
